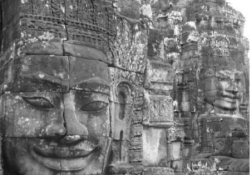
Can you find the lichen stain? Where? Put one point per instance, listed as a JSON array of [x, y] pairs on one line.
[[47, 36], [146, 10]]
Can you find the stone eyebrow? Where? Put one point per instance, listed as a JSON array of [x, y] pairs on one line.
[[92, 85], [95, 80], [46, 78]]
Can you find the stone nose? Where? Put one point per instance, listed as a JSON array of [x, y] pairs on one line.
[[233, 88], [72, 124], [66, 124], [56, 129]]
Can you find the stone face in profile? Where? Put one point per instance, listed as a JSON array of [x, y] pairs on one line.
[[58, 118]]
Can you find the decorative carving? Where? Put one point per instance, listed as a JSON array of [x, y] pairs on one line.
[[160, 110], [159, 76], [132, 77], [130, 47]]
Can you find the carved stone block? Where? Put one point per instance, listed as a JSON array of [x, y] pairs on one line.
[[79, 50], [232, 165], [45, 44], [221, 145], [137, 117], [240, 149], [159, 76], [121, 75], [94, 78], [130, 55], [159, 44], [48, 69], [135, 156], [136, 130], [160, 110], [11, 19], [154, 145], [136, 143], [219, 131], [158, 171]]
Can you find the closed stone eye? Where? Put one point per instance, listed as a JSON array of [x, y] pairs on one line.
[[39, 102], [94, 106]]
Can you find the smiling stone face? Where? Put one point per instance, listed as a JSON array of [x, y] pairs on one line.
[[56, 116], [224, 89]]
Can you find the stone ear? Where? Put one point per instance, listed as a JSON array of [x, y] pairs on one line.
[[122, 109]]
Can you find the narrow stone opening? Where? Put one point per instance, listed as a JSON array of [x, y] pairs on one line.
[[122, 103]]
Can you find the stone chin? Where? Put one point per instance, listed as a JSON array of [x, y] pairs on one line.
[[227, 103], [223, 100]]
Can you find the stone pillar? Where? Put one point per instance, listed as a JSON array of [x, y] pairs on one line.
[[220, 75]]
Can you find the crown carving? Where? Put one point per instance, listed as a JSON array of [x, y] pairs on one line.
[[90, 22]]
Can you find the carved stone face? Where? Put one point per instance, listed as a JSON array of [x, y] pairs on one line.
[[57, 116], [224, 88]]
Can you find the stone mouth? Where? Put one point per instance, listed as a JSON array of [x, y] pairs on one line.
[[230, 95], [230, 99], [65, 158]]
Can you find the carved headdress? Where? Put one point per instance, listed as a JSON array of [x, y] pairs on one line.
[[88, 22]]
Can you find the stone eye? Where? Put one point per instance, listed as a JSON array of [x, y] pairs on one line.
[[94, 106], [39, 102]]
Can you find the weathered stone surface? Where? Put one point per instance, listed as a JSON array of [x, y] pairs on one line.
[[219, 131], [132, 77], [159, 76], [130, 48], [42, 45], [77, 49], [136, 156], [240, 149], [232, 164], [154, 145], [89, 75], [160, 110], [33, 73], [122, 104], [158, 171], [10, 23]]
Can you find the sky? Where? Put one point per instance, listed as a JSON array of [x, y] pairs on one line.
[[244, 7]]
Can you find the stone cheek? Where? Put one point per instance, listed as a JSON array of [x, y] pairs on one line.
[[22, 120]]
